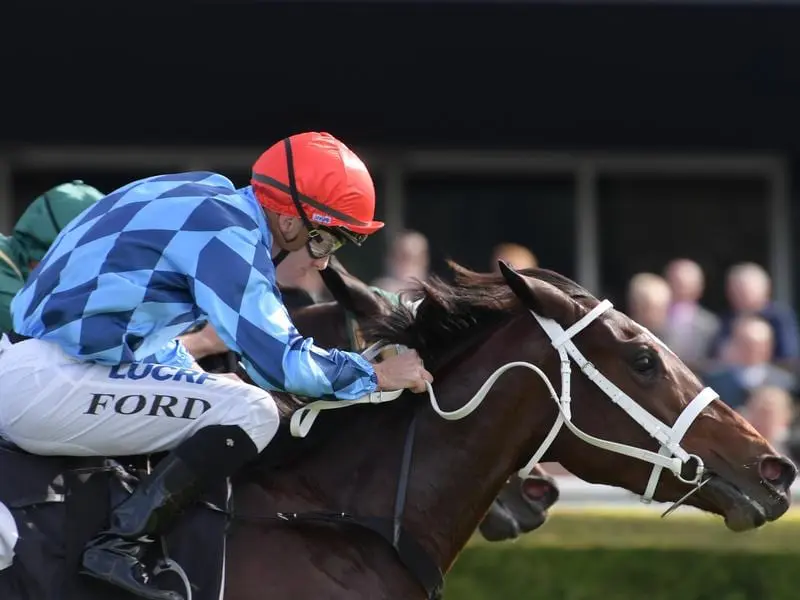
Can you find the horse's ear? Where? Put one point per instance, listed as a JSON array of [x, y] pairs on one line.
[[349, 291], [539, 296]]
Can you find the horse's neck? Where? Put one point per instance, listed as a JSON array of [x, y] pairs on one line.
[[457, 469], [460, 466]]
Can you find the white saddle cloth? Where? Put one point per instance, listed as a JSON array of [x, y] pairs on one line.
[[9, 534]]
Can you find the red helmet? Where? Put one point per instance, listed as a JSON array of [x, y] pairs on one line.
[[333, 186]]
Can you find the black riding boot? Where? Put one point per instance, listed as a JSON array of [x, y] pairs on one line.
[[115, 555]]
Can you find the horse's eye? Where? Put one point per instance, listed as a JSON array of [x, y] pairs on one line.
[[645, 362]]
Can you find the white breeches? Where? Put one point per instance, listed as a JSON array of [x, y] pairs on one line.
[[53, 404]]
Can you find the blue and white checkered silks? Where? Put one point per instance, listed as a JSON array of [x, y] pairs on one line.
[[158, 255]]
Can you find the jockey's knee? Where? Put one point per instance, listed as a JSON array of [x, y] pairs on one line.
[[261, 418]]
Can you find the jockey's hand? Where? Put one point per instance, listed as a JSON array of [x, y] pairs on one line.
[[203, 343], [402, 371]]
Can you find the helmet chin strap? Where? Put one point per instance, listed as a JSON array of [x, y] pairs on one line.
[[278, 259], [276, 231], [282, 253]]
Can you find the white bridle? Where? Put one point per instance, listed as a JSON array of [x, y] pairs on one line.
[[671, 455]]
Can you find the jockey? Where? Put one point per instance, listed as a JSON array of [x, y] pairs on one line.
[[96, 367], [36, 229]]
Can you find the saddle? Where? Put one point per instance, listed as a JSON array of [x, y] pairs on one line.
[[60, 503]]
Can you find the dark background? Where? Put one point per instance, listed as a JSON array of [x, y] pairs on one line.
[[500, 74], [633, 77]]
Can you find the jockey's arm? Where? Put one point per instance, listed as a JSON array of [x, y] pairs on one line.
[[274, 353]]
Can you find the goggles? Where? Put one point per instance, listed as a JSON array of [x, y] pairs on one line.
[[324, 241]]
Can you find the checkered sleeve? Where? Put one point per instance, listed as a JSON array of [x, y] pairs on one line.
[[235, 286], [174, 354]]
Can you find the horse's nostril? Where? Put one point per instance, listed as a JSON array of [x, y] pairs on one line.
[[777, 471], [539, 490]]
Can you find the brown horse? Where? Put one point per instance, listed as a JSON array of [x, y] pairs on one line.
[[398, 472], [521, 507], [465, 332]]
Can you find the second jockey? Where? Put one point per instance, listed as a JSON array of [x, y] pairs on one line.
[[94, 366]]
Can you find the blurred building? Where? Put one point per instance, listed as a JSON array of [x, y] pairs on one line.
[[608, 138]]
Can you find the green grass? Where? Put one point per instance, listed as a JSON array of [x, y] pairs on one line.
[[526, 573], [632, 554]]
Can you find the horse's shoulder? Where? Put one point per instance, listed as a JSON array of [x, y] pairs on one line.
[[285, 449]]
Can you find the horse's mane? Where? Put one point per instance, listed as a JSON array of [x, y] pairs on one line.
[[449, 314]]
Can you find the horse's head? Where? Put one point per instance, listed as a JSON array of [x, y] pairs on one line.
[[335, 324], [624, 369], [630, 413], [354, 295]]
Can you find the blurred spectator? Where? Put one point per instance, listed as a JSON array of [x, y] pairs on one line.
[[408, 261], [648, 302], [691, 329], [748, 355], [33, 235], [749, 291], [517, 256], [770, 411]]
